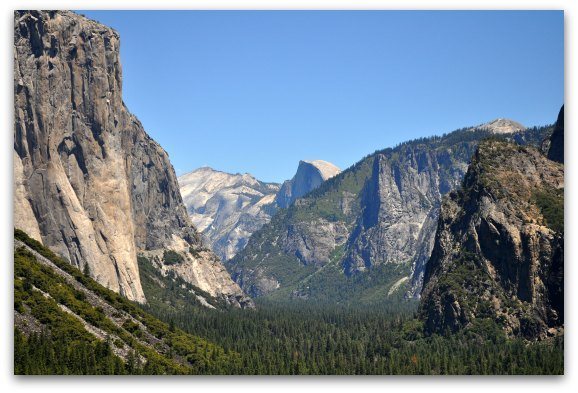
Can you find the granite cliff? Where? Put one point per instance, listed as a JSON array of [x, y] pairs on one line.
[[89, 182], [556, 141], [499, 248], [309, 176]]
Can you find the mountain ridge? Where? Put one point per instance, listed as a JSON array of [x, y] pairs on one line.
[[225, 207], [326, 228]]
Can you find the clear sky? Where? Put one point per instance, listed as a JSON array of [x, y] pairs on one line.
[[250, 91]]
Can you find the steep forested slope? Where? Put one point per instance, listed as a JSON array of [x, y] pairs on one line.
[[66, 323]]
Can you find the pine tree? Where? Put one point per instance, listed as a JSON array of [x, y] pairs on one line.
[[86, 270]]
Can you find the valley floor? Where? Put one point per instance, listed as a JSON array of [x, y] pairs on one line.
[[301, 339]]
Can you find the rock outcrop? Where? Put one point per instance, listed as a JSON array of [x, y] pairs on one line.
[[227, 208], [499, 247], [309, 176], [89, 182], [556, 148]]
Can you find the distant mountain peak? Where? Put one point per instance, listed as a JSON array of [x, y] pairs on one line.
[[326, 169], [309, 176], [502, 126], [205, 169], [208, 169]]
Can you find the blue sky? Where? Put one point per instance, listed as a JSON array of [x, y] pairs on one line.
[[256, 91]]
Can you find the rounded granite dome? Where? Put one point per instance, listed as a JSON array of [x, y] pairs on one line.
[[502, 126]]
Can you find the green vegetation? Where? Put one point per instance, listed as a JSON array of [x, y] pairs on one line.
[[277, 338], [458, 281], [325, 201], [61, 308], [171, 257], [300, 338], [551, 204], [46, 354], [330, 286]]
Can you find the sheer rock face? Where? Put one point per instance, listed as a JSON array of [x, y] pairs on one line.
[[499, 252], [227, 208], [313, 242], [89, 182], [309, 176], [556, 148], [401, 202]]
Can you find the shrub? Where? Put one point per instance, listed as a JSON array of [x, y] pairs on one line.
[[171, 257]]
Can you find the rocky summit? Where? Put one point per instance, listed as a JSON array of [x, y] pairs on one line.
[[227, 208], [309, 176], [499, 247], [89, 182], [501, 126]]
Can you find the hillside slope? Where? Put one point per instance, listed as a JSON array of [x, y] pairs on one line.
[[66, 323], [365, 234]]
